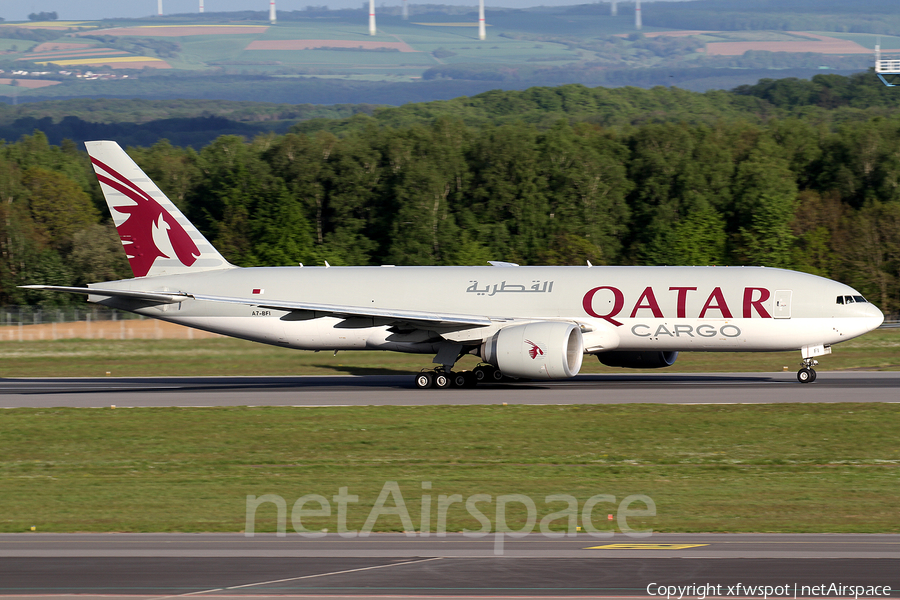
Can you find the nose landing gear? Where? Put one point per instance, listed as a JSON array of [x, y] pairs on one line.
[[807, 374]]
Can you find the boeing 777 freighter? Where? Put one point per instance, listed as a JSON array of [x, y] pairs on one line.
[[523, 322]]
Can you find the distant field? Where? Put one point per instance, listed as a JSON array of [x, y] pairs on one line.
[[57, 46], [815, 43], [115, 62], [181, 30], [177, 351], [867, 40], [530, 44], [314, 44], [294, 47], [52, 25], [29, 83]]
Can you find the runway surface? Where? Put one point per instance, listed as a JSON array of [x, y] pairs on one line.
[[718, 388], [228, 565]]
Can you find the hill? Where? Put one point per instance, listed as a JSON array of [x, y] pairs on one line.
[[321, 56]]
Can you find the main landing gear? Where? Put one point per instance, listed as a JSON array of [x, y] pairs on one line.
[[442, 378], [807, 374]]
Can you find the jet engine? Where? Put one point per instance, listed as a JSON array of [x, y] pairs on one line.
[[638, 360], [541, 350]]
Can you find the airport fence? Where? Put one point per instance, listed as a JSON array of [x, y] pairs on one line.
[[35, 323], [40, 315]]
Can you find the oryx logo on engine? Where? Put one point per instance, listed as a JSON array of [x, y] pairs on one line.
[[535, 350]]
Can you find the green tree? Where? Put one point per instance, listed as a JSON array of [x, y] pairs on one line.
[[59, 208], [427, 176], [765, 197], [509, 204], [587, 184], [682, 179], [97, 255], [358, 215], [252, 216], [872, 256]]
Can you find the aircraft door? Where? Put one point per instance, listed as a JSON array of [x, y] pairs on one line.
[[782, 307]]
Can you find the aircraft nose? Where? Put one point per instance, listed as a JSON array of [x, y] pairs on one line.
[[874, 313]]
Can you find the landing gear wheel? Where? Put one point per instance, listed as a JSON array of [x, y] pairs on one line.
[[424, 380], [441, 381], [471, 380], [806, 375], [464, 379], [484, 372], [497, 376], [813, 371]]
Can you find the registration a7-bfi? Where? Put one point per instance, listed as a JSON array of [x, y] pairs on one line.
[[261, 313]]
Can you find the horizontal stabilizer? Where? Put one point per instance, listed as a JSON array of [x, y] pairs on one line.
[[161, 297]]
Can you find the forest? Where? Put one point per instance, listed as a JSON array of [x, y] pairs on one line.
[[787, 173]]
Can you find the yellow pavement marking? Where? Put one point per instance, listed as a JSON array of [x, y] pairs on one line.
[[645, 546]]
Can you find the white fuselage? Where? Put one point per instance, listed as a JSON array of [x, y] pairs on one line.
[[618, 308]]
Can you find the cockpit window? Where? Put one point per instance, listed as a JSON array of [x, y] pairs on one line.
[[859, 298], [848, 299], [840, 299]]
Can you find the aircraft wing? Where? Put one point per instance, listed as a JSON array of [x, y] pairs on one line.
[[394, 316], [412, 317]]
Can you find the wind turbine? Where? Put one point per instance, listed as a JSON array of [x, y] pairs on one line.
[[482, 34], [201, 5], [613, 8], [637, 15], [371, 17], [272, 12], [405, 10], [159, 8]]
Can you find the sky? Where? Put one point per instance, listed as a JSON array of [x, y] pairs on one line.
[[18, 10]]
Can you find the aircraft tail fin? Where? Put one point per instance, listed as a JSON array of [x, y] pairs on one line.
[[158, 239]]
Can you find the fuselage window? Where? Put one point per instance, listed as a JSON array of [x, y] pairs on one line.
[[840, 299], [848, 299], [859, 299]]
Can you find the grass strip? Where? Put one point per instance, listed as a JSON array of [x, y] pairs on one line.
[[756, 468]]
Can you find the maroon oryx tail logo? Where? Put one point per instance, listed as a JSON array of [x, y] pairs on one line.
[[147, 215], [535, 350]]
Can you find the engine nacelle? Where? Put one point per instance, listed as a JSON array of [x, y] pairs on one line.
[[638, 360], [541, 350]]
